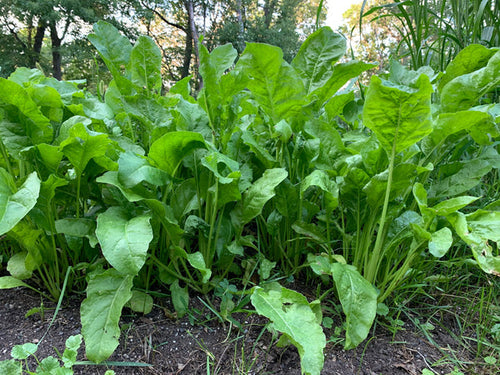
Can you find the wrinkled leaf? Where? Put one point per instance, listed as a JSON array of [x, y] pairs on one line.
[[107, 293], [124, 240], [14, 205], [297, 319]]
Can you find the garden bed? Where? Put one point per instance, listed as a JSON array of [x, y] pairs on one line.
[[187, 345]]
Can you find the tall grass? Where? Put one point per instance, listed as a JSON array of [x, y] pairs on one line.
[[434, 31]]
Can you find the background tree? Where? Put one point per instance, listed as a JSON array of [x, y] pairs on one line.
[[34, 31]]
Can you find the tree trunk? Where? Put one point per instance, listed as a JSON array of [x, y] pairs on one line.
[[37, 44], [269, 7], [56, 52], [188, 51], [241, 34]]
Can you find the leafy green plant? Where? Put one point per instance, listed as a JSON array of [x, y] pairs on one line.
[[273, 167]]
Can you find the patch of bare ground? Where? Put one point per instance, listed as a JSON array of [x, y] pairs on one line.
[[197, 341]]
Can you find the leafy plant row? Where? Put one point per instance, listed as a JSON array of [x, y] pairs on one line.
[[272, 169]]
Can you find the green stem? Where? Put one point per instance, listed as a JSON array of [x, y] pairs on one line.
[[374, 262], [78, 183], [6, 158]]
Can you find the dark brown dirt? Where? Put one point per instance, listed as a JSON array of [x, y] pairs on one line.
[[180, 347]]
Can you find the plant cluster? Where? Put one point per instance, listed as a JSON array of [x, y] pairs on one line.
[[273, 170]]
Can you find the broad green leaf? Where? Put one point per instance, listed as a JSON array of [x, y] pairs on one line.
[[452, 205], [399, 116], [48, 100], [34, 241], [145, 64], [440, 242], [447, 124], [328, 186], [316, 57], [133, 169], [310, 230], [50, 155], [82, 146], [81, 227], [23, 351], [168, 151], [15, 205], [471, 58], [260, 152], [297, 319], [403, 176], [342, 73], [464, 91], [468, 174], [276, 86], [115, 50], [28, 126], [124, 240], [476, 230], [180, 298], [359, 302], [107, 293], [214, 64], [135, 194], [257, 195], [141, 302], [17, 266], [9, 282], [183, 88]]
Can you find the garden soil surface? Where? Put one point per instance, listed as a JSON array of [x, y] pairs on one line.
[[188, 345]]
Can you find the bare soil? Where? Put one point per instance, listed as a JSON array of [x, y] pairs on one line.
[[197, 341]]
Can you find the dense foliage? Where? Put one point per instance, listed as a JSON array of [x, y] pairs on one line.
[[274, 170]]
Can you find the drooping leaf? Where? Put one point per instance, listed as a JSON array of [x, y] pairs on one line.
[[107, 293], [297, 319], [180, 298], [168, 151], [14, 205], [476, 230], [447, 124], [440, 242], [9, 282], [359, 302], [399, 116], [468, 174], [124, 240], [316, 57], [17, 266], [141, 302]]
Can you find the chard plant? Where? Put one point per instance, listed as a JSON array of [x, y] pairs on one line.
[[273, 167]]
